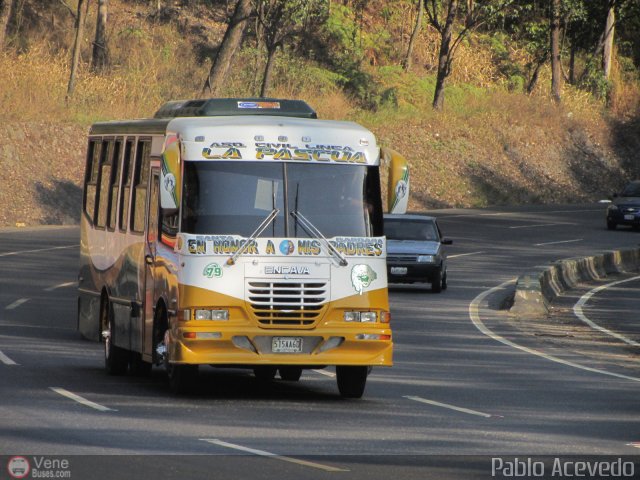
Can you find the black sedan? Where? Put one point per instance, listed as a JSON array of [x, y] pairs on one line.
[[625, 207], [414, 250]]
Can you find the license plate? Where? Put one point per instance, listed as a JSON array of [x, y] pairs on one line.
[[629, 217], [398, 270], [286, 344]]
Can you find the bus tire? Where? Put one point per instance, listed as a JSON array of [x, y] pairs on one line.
[[351, 381], [290, 374], [116, 359]]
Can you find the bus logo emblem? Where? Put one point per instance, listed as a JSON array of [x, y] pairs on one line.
[[212, 270], [286, 247]]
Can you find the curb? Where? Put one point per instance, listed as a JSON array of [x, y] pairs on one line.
[[537, 287]]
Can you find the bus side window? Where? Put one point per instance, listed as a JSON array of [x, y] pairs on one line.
[[154, 207], [91, 178], [125, 191], [104, 181], [114, 184], [141, 178]]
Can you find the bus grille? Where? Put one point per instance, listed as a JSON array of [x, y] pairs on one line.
[[287, 304], [402, 258]]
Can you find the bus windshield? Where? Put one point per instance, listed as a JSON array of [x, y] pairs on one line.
[[233, 198]]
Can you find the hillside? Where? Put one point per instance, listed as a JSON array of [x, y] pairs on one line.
[[492, 144]]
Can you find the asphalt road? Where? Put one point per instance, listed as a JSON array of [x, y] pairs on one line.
[[463, 383]]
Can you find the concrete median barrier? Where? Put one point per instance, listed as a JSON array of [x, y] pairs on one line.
[[536, 288]]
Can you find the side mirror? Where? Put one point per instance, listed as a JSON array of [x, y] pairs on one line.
[[398, 180], [170, 181], [446, 241]]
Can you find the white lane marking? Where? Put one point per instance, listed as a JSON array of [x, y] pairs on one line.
[[263, 453], [6, 360], [8, 254], [474, 315], [540, 225], [16, 304], [325, 373], [60, 285], [450, 407], [81, 400], [577, 309], [559, 242], [464, 254]]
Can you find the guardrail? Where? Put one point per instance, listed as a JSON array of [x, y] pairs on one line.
[[536, 288]]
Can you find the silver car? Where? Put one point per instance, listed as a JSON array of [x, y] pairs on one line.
[[415, 250]]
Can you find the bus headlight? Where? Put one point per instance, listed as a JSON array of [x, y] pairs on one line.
[[206, 314], [365, 317]]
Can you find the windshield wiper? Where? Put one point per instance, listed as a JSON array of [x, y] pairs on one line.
[[265, 223], [311, 229]]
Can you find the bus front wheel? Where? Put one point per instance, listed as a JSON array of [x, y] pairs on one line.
[[351, 380]]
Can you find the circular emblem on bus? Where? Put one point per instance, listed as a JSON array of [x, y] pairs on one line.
[[361, 277], [212, 270], [286, 247], [18, 467]]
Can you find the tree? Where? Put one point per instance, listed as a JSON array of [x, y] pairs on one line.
[[100, 58], [445, 26], [6, 10], [230, 42], [79, 29], [280, 21], [607, 51], [414, 35], [556, 72]]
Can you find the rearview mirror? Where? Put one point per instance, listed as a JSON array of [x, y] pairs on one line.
[[398, 180]]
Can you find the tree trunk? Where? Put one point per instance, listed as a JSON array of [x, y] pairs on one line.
[[414, 35], [268, 72], [231, 41], [556, 72], [536, 74], [572, 62], [6, 9], [76, 48], [468, 21], [607, 53], [100, 59], [444, 57]]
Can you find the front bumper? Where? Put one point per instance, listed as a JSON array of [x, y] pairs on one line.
[[620, 218], [252, 346], [415, 272]]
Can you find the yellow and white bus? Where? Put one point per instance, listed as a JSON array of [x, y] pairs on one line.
[[237, 233]]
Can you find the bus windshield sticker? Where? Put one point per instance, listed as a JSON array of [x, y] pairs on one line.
[[258, 105]]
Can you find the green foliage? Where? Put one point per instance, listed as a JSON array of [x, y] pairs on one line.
[[596, 82]]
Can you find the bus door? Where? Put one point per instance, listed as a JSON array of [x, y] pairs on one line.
[[151, 242]]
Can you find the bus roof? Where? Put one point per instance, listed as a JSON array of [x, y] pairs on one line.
[[225, 107]]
